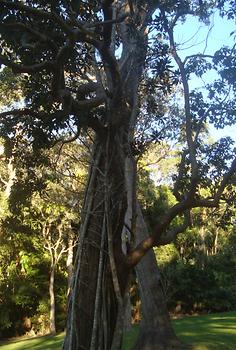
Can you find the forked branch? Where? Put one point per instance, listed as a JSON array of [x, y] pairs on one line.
[[157, 237]]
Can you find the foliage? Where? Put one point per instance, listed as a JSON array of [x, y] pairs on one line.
[[154, 196], [24, 262], [197, 278], [23, 281], [10, 89]]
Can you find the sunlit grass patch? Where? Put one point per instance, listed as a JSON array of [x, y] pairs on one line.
[[215, 331], [209, 332], [41, 343]]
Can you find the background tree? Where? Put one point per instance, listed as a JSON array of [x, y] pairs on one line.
[[45, 220]]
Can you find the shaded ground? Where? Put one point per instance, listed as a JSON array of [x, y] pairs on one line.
[[210, 332]]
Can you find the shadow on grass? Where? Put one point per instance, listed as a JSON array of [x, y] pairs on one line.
[[210, 332], [216, 331]]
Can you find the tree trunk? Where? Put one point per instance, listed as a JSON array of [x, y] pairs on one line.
[[95, 313], [156, 332], [96, 305], [52, 301], [69, 262], [215, 244], [11, 177], [128, 313]]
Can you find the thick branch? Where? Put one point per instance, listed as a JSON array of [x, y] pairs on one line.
[[107, 29], [109, 21], [58, 81], [143, 247], [171, 234], [87, 88], [19, 68], [28, 29], [16, 112], [112, 65], [156, 238], [84, 35], [89, 103], [38, 13]]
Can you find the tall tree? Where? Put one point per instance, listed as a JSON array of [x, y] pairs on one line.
[[82, 65]]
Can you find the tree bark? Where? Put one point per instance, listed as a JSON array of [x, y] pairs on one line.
[[215, 244], [96, 306], [156, 332], [128, 313], [52, 301], [69, 262], [96, 300]]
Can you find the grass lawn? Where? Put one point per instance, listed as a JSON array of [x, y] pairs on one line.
[[40, 343], [213, 332], [210, 332]]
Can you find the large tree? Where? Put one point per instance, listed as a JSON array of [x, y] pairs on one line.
[[82, 63]]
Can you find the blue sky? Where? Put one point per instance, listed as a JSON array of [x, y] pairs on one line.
[[194, 37], [197, 33]]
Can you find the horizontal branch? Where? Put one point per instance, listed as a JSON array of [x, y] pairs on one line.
[[64, 141], [20, 68], [156, 237], [87, 88], [88, 103], [111, 21], [198, 55], [143, 247], [16, 112], [26, 28], [37, 13], [84, 35], [76, 107]]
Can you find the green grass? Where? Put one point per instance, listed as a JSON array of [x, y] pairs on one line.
[[40, 343], [210, 332]]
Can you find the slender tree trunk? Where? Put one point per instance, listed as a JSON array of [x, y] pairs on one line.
[[52, 301], [69, 262], [215, 244], [203, 246], [11, 177]]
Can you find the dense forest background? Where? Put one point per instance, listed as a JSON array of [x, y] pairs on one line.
[[197, 270]]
